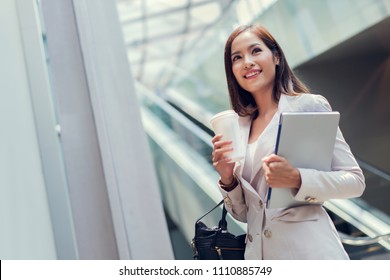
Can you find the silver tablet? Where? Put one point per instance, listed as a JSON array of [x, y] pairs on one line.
[[306, 140]]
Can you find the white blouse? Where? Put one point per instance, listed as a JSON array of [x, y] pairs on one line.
[[263, 146], [249, 158]]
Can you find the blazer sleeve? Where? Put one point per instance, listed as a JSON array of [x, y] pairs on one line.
[[345, 180], [235, 202]]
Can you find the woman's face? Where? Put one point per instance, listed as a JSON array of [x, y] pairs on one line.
[[253, 63]]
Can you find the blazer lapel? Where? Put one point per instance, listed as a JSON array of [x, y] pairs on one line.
[[267, 140], [265, 144], [245, 126]]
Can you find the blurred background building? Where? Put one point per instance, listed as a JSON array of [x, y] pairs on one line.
[[105, 141]]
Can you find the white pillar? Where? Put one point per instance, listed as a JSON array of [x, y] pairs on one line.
[[116, 201]]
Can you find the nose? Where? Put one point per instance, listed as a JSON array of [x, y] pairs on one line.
[[248, 63]]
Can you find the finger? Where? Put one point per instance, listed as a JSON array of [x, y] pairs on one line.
[[220, 144], [271, 158], [268, 178], [219, 153], [223, 150], [221, 161], [216, 138], [266, 168], [266, 158], [267, 164], [272, 166]]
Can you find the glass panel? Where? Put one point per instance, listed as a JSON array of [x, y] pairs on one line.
[[133, 33], [129, 10], [193, 76], [167, 25], [206, 13]]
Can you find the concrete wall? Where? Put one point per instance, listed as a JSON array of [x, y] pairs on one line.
[[77, 177], [25, 223]]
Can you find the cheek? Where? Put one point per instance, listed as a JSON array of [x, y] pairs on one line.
[[236, 71]]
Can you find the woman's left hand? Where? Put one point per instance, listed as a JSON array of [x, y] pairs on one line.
[[279, 173]]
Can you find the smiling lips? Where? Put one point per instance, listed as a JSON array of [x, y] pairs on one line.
[[252, 74]]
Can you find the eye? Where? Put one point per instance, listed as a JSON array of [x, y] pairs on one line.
[[235, 58], [256, 50]]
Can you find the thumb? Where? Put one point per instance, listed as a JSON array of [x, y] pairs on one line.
[[268, 158], [272, 158]]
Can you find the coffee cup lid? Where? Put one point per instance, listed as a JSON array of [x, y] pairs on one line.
[[223, 114]]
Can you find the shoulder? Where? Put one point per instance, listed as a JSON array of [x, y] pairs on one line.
[[244, 121], [308, 102]]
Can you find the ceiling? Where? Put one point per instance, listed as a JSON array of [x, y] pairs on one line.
[[158, 33]]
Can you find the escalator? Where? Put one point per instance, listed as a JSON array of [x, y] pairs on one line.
[[363, 225]]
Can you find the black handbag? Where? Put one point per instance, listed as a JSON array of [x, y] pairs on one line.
[[217, 243]]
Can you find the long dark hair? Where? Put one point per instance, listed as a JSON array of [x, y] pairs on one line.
[[285, 80]]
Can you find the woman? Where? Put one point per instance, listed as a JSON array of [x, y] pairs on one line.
[[261, 86]]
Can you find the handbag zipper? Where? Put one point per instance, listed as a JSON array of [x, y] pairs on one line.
[[225, 248], [219, 250]]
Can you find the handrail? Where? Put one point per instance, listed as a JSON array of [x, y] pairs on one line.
[[363, 219], [170, 110], [362, 241], [342, 208], [380, 173]]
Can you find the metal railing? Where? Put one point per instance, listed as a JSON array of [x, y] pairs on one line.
[[375, 230], [363, 241]]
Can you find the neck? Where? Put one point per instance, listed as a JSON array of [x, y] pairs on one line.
[[266, 104]]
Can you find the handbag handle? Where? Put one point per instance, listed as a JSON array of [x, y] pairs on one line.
[[222, 223]]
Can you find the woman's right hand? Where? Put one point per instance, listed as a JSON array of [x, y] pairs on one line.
[[220, 162]]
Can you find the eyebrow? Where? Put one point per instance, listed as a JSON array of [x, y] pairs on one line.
[[249, 47]]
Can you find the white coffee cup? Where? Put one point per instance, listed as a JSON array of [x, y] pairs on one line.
[[226, 123]]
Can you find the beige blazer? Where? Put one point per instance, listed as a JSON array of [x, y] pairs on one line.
[[304, 232]]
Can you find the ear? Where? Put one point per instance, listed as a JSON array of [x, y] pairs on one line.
[[276, 59]]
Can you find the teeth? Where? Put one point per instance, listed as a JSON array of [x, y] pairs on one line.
[[251, 74]]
